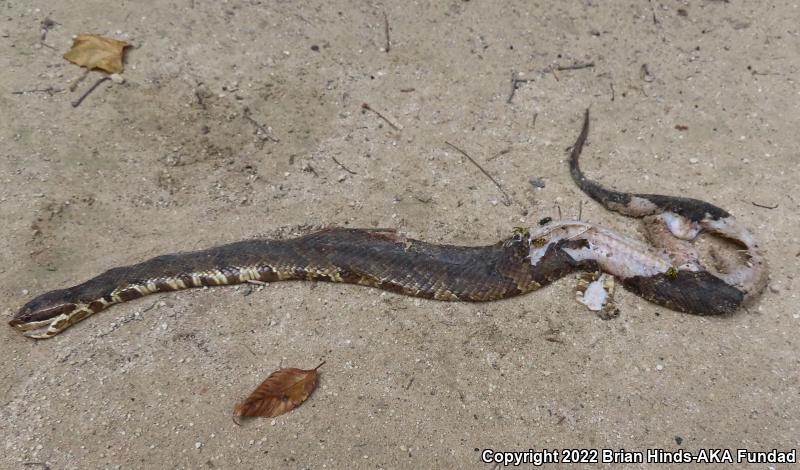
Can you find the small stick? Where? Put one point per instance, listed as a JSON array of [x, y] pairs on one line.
[[578, 66], [250, 350], [409, 383], [41, 464], [46, 24], [580, 209], [533, 124], [369, 108], [763, 206], [507, 199], [259, 127], [343, 167], [513, 87], [79, 79], [499, 154], [49, 90], [515, 81], [200, 99], [613, 93], [386, 30], [652, 8], [78, 102]]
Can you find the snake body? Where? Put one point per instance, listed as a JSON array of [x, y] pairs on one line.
[[667, 272]]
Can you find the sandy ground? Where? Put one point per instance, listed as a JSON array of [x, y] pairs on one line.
[[169, 161]]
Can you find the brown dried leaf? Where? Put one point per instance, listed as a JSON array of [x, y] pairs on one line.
[[283, 391], [97, 52]]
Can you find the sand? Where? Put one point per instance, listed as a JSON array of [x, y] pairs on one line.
[[244, 119]]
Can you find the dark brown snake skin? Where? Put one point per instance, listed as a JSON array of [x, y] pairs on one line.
[[664, 273]]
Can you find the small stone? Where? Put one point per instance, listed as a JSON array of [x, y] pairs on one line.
[[694, 161], [198, 445], [774, 288], [24, 291], [537, 182], [341, 177], [117, 78], [659, 367]]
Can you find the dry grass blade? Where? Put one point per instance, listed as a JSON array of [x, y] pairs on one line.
[[283, 391]]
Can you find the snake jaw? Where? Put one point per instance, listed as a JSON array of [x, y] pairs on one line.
[[41, 323], [42, 329], [54, 326], [23, 326]]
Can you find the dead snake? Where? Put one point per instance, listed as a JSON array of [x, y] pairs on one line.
[[667, 271]]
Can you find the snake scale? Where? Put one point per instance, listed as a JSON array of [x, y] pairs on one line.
[[667, 271]]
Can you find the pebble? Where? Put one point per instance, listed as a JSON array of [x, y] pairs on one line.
[[117, 78], [537, 182], [659, 367], [774, 288], [198, 445], [693, 161]]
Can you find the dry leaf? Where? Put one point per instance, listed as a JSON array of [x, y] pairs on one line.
[[97, 52], [283, 391]]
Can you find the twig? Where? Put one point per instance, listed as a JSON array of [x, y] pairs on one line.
[[259, 127], [49, 90], [652, 8], [200, 100], [343, 167], [409, 383], [515, 81], [499, 154], [507, 199], [78, 79], [369, 108], [41, 464], [46, 24], [250, 350], [533, 124], [613, 93], [78, 102], [151, 306], [578, 66], [386, 30], [763, 206]]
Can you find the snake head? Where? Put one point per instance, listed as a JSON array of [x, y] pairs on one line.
[[48, 311]]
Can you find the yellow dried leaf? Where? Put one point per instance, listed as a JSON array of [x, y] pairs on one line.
[[97, 52]]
